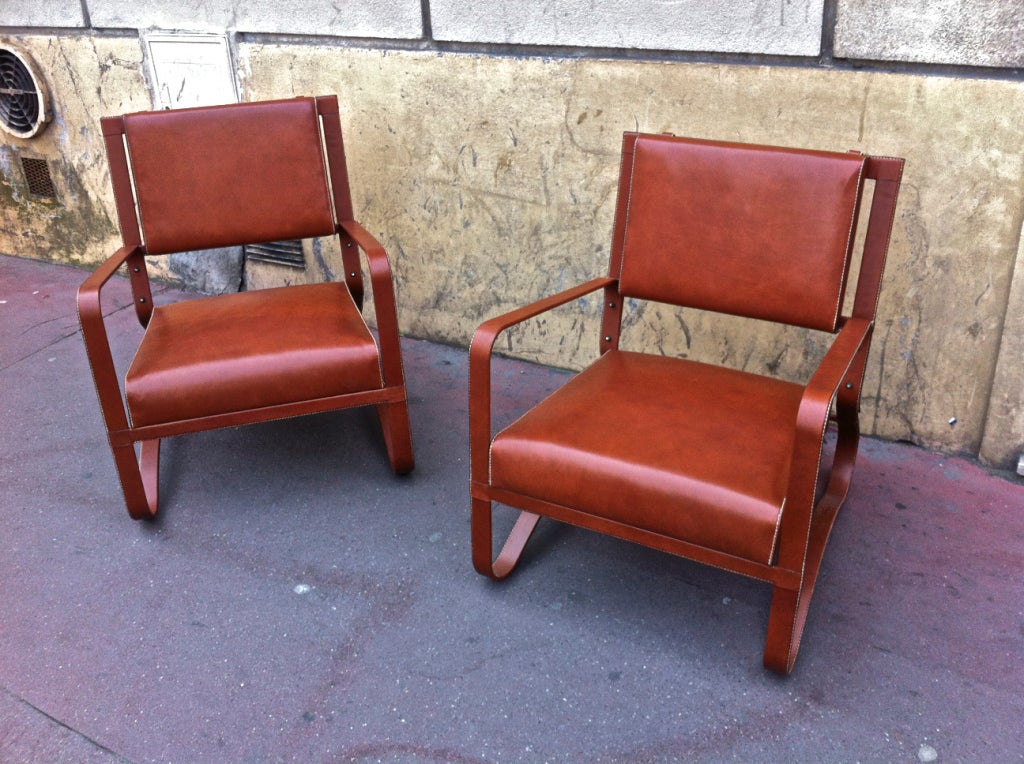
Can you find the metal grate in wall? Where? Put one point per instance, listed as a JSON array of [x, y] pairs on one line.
[[37, 176], [23, 100], [288, 253]]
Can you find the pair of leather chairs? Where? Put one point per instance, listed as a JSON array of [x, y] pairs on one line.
[[714, 464]]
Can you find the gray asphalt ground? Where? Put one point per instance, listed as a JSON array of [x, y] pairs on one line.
[[295, 601]]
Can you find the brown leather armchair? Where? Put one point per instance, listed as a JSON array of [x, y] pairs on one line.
[[203, 178], [710, 463]]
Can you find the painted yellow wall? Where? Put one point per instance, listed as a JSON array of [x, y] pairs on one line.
[[491, 181]]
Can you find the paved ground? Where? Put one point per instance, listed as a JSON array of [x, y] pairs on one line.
[[297, 602]]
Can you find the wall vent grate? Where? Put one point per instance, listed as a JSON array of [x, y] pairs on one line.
[[38, 178], [24, 110], [287, 253]]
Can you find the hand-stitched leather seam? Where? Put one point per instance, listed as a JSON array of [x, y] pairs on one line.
[[134, 191], [778, 527]]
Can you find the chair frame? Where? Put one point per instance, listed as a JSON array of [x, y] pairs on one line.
[[139, 474], [806, 522]]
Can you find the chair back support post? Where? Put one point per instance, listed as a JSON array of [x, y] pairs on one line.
[[611, 315], [127, 216], [120, 178], [142, 293], [611, 319], [337, 167], [887, 172]]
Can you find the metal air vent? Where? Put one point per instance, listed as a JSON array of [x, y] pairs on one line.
[[278, 252], [24, 100], [38, 178]]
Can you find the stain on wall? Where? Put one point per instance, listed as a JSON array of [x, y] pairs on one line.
[[492, 181], [88, 78]]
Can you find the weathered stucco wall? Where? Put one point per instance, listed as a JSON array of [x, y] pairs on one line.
[[491, 180], [89, 78]]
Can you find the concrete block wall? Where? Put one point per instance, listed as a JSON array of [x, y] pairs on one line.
[[965, 32], [742, 26], [483, 144], [986, 33]]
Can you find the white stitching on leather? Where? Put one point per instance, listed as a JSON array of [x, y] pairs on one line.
[[849, 241], [888, 234], [778, 527], [629, 204]]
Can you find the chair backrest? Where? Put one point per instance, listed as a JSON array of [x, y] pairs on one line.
[[220, 176], [755, 231]]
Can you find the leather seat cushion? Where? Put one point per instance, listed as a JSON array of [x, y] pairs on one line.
[[235, 352], [691, 451]]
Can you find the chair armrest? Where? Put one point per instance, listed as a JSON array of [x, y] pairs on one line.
[[811, 420], [97, 344], [480, 350], [382, 284], [103, 274]]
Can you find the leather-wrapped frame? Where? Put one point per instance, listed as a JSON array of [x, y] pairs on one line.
[[808, 511], [138, 473]]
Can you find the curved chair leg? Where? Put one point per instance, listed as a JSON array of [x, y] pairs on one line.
[[785, 627], [789, 608], [788, 612], [140, 478], [394, 421], [513, 547]]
